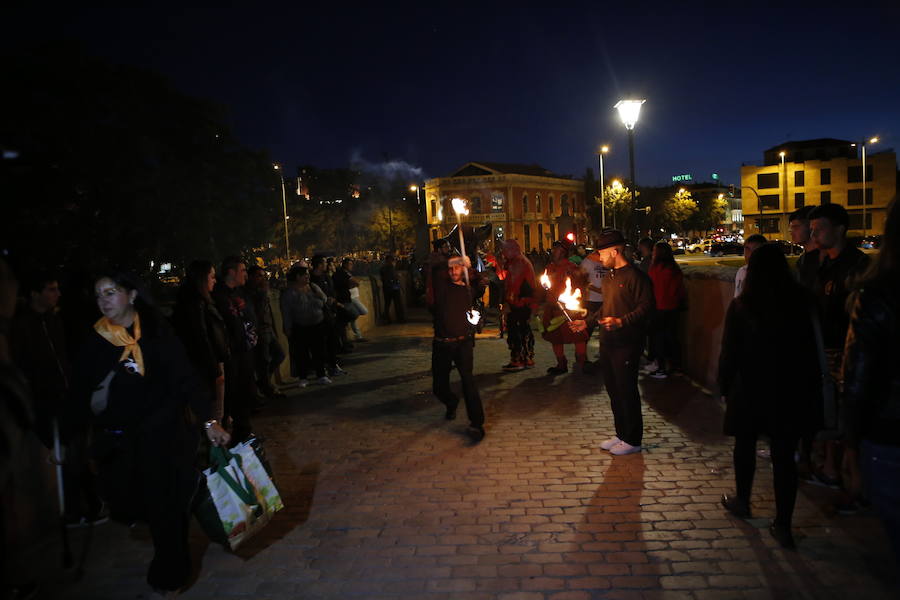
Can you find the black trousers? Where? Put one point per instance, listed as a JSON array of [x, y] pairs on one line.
[[664, 339], [397, 298], [619, 367], [240, 393], [443, 356], [784, 472], [268, 355], [308, 346]]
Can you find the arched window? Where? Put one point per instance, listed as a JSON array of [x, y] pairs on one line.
[[540, 239], [524, 203], [564, 204], [550, 202], [497, 202], [537, 202], [433, 208], [475, 205]]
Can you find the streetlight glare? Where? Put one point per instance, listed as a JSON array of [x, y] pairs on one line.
[[874, 140], [629, 111], [616, 183], [782, 154], [604, 149], [413, 188], [276, 166], [681, 190]]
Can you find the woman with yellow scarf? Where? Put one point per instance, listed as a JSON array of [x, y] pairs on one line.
[[135, 384]]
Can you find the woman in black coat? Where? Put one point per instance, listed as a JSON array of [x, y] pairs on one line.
[[135, 385], [771, 381]]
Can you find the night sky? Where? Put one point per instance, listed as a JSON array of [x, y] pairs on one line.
[[440, 86]]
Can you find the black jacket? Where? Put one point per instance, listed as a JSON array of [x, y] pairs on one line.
[[628, 295], [202, 331], [769, 372], [872, 367], [835, 279]]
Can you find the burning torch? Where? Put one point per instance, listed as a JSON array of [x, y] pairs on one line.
[[459, 207]]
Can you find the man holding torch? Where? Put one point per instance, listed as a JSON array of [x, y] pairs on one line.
[[627, 306]]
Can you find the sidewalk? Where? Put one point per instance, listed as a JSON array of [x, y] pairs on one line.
[[386, 500]]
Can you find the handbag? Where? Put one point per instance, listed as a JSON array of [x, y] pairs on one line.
[[240, 497]]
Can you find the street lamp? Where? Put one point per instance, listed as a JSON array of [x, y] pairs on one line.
[[629, 111], [871, 141], [287, 246], [603, 150], [784, 192]]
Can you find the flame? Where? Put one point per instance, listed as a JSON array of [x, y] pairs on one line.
[[459, 206], [545, 280], [472, 316], [440, 213], [570, 299]]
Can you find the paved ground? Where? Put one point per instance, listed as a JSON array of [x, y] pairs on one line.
[[386, 500]]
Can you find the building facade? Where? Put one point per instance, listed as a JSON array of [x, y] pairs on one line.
[[523, 202], [815, 172]]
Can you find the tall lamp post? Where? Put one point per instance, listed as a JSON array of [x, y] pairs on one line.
[[629, 110], [287, 244], [784, 192], [864, 224], [603, 150]]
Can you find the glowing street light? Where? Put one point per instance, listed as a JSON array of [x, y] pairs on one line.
[[872, 140], [629, 111], [603, 150], [287, 245]]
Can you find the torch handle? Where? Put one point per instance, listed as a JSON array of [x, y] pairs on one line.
[[462, 247], [563, 309]]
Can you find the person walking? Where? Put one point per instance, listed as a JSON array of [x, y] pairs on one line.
[[454, 341], [134, 383], [787, 401], [627, 308]]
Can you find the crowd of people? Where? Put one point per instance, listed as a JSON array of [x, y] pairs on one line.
[[133, 392]]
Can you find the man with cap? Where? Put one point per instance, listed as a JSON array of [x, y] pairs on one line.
[[627, 306], [454, 340]]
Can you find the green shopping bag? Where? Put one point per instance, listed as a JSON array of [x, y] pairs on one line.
[[242, 511]]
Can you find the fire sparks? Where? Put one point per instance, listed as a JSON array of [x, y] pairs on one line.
[[459, 206], [569, 299], [545, 280]]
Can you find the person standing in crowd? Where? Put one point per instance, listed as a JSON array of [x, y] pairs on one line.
[[134, 382], [627, 308], [801, 234], [201, 329], [670, 294], [303, 306], [645, 253], [771, 302], [557, 329], [240, 330], [592, 275], [268, 352], [519, 289], [436, 267], [346, 290], [335, 316], [390, 283], [841, 265], [454, 341], [750, 245], [871, 414]]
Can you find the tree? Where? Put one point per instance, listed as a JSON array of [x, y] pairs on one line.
[[617, 202], [712, 210], [678, 209]]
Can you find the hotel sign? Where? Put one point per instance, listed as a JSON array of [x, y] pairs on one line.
[[683, 177]]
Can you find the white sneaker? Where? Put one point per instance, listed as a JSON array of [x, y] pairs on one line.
[[324, 380], [337, 370], [623, 448], [609, 443], [650, 367]]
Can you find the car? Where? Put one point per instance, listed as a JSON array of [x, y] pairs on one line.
[[723, 248], [698, 245], [789, 249]]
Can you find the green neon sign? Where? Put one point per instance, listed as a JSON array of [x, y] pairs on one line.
[[683, 177]]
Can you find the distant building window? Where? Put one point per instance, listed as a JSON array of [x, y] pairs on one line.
[[564, 204], [433, 208], [537, 203], [527, 236], [540, 239], [476, 205], [799, 177], [769, 202], [854, 174], [856, 221], [854, 197], [825, 177], [550, 205], [766, 181], [497, 202], [825, 198], [799, 200], [524, 203], [768, 225]]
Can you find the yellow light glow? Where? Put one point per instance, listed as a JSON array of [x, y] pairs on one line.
[[681, 191], [545, 280], [721, 196], [459, 206], [604, 149], [570, 299], [616, 183], [874, 140], [782, 154], [413, 188]]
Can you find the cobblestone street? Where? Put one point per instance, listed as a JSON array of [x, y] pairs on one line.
[[386, 500]]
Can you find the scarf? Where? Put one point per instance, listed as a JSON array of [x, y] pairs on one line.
[[118, 336]]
